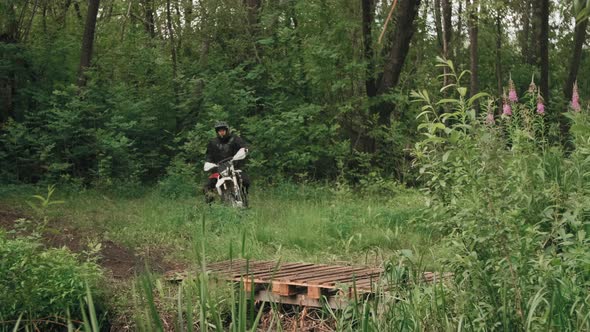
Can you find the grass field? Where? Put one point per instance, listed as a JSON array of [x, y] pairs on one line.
[[128, 229], [286, 222]]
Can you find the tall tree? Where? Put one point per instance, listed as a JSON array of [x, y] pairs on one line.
[[542, 20], [396, 49], [443, 30], [9, 35], [459, 28], [524, 7], [498, 60], [472, 9], [447, 26], [149, 21], [438, 22], [252, 8], [253, 17], [579, 38], [87, 41], [368, 9], [174, 60]]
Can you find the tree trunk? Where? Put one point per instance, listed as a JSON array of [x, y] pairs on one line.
[[21, 19], [499, 79], [28, 29], [524, 36], [579, 38], [61, 18], [7, 84], [544, 48], [148, 12], [204, 26], [44, 19], [188, 27], [252, 8], [445, 36], [395, 51], [400, 45], [78, 12], [447, 26], [174, 64], [472, 8], [87, 41], [458, 38], [438, 23], [534, 57], [368, 8], [171, 37]]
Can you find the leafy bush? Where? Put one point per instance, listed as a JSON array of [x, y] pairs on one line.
[[514, 207], [38, 283], [180, 180]]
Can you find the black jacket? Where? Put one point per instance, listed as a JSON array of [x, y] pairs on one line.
[[219, 149]]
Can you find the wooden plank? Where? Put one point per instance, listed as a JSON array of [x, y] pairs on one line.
[[283, 271], [249, 269], [358, 276], [301, 299], [348, 278], [364, 283], [337, 273], [225, 265], [283, 289], [314, 292], [221, 268], [301, 276], [304, 283], [331, 271]]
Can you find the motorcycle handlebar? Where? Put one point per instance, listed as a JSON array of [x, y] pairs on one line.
[[228, 159]]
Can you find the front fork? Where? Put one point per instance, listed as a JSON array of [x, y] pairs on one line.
[[236, 186]]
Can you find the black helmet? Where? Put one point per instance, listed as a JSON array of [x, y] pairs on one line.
[[221, 124]]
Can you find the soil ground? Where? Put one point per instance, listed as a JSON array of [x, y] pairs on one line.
[[122, 263], [117, 260]]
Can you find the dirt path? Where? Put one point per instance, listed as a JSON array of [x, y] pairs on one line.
[[118, 261]]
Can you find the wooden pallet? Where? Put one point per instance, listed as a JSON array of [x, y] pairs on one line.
[[301, 283]]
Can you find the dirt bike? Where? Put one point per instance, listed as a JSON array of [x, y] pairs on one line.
[[230, 185]]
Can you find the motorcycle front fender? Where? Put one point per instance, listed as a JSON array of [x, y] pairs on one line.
[[220, 183]]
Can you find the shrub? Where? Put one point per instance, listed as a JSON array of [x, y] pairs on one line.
[[514, 207], [180, 180], [41, 283]]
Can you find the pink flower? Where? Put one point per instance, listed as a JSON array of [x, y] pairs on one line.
[[506, 109], [540, 108], [512, 92], [490, 119], [575, 104], [532, 86], [540, 105]]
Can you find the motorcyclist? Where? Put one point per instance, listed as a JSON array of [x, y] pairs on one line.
[[223, 146]]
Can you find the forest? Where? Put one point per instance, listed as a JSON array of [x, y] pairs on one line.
[[429, 135]]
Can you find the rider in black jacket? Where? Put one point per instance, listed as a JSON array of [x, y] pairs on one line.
[[224, 146]]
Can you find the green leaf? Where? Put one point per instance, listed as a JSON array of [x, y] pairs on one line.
[[462, 91], [448, 101], [446, 87], [475, 97], [445, 156]]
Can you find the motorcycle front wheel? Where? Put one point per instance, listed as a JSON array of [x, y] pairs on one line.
[[232, 198]]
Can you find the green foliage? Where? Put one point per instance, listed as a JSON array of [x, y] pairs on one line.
[[510, 204], [38, 283], [180, 181]]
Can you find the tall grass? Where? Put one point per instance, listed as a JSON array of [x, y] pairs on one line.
[[287, 223], [290, 222]]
